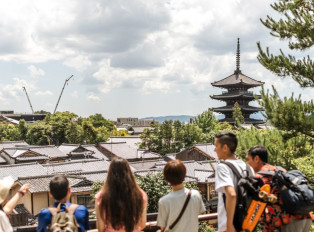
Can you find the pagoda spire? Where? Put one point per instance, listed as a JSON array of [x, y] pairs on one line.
[[238, 58]]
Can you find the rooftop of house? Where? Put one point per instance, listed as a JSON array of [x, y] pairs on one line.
[[124, 150]]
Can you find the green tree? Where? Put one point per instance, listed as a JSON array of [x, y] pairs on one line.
[[237, 115], [58, 122], [297, 25], [9, 132], [39, 133], [22, 129], [206, 121], [289, 114], [74, 133], [98, 120], [89, 132]]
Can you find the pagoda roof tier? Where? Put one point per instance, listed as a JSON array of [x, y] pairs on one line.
[[243, 108], [247, 120], [246, 95], [237, 78]]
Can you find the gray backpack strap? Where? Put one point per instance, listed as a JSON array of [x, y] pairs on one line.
[[72, 208], [55, 210]]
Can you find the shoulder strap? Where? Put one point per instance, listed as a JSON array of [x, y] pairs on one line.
[[233, 169], [182, 211], [72, 208], [55, 210]]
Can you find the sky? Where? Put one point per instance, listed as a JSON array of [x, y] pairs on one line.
[[135, 58]]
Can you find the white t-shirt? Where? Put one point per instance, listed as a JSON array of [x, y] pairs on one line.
[[170, 206], [5, 225], [225, 177]]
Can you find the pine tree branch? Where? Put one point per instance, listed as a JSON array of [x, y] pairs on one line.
[[301, 70]]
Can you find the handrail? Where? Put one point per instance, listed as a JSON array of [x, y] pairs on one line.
[[149, 225], [152, 224]]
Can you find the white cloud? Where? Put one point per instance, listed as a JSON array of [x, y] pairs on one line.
[[144, 47], [93, 97], [44, 93], [16, 89], [35, 71]]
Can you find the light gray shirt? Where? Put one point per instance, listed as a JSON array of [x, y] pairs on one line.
[[170, 206]]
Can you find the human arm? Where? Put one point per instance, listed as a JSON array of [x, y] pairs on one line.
[[8, 208], [101, 226], [231, 198], [163, 214], [142, 222]]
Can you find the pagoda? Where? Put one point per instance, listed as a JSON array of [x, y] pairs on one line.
[[237, 85]]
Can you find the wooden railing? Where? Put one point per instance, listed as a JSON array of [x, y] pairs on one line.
[[151, 226]]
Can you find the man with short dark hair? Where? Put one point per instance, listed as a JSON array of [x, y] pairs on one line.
[[274, 218], [225, 180], [170, 206], [61, 192]]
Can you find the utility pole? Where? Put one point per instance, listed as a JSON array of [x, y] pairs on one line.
[[66, 81], [29, 101]]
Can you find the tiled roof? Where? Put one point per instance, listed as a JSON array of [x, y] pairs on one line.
[[22, 170], [98, 176], [9, 144], [148, 154], [77, 166], [148, 171], [145, 164], [243, 108], [47, 151], [70, 149], [209, 165], [237, 78], [208, 149], [204, 175], [97, 153], [234, 95], [122, 149], [41, 183], [132, 141], [190, 167], [2, 160]]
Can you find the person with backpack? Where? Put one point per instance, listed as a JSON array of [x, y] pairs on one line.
[[275, 218], [225, 179], [179, 210], [121, 204], [63, 214]]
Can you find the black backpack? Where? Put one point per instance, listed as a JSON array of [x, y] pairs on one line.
[[296, 194], [63, 221], [247, 189]]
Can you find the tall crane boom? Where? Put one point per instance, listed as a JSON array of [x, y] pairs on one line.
[[29, 101], [66, 81]]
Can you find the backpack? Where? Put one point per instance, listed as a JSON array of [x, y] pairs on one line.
[[247, 189], [63, 221], [296, 194]]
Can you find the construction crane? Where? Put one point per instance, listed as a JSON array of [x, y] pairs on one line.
[[66, 81], [29, 101]]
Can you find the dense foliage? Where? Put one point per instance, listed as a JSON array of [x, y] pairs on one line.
[[61, 127], [171, 137]]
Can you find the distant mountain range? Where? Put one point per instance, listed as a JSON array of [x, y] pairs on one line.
[[186, 118]]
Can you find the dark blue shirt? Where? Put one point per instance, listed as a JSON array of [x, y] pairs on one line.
[[81, 215]]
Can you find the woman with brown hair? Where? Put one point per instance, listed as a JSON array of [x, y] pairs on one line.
[[121, 204]]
